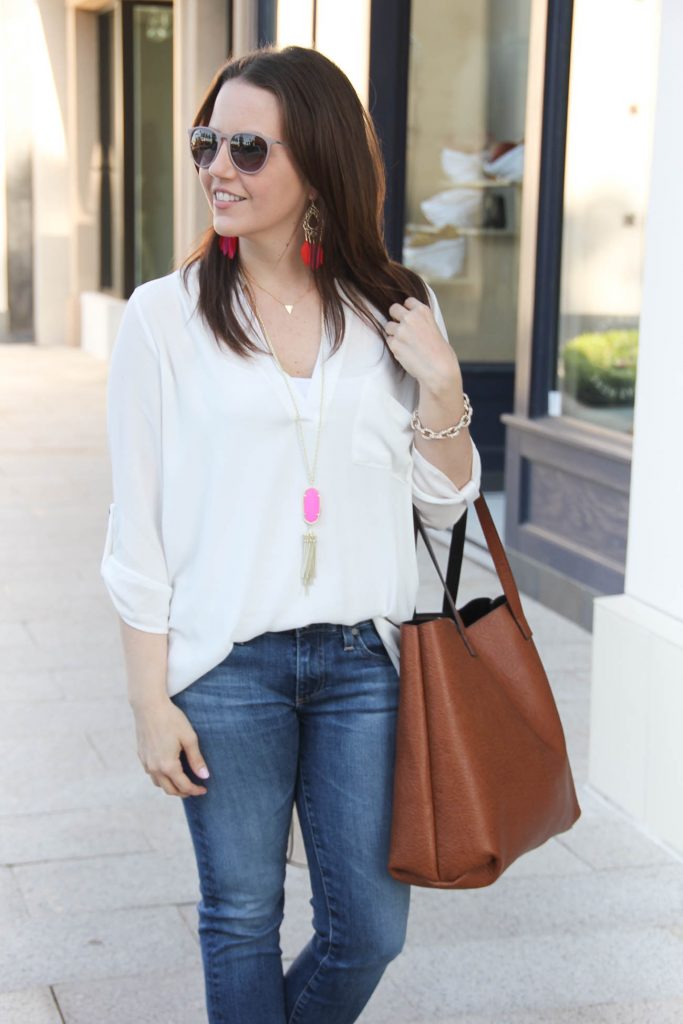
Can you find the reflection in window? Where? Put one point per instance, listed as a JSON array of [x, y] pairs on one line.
[[105, 29], [153, 140], [465, 157], [611, 96]]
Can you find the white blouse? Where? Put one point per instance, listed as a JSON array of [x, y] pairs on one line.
[[204, 536]]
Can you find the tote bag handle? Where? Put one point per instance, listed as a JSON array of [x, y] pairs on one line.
[[455, 557]]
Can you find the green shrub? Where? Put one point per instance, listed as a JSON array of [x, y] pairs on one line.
[[600, 368]]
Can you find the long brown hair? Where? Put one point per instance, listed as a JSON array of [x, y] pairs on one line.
[[334, 143]]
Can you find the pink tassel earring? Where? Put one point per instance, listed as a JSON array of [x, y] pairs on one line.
[[312, 250], [228, 245]]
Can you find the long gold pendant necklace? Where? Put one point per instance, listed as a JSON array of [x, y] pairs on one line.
[[311, 496]]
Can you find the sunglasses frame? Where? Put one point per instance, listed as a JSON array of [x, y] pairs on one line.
[[222, 136]]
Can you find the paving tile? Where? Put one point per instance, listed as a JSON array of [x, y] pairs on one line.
[[50, 631], [12, 904], [563, 971], [74, 947], [62, 717], [563, 656], [15, 633], [29, 1006], [118, 746], [106, 679], [122, 880], [31, 838], [56, 776], [575, 903], [609, 844], [158, 997], [29, 686], [548, 860], [668, 1011], [571, 684], [32, 658]]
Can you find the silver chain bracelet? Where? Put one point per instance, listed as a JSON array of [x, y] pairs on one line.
[[453, 431]]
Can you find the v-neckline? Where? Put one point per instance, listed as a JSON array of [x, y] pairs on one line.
[[309, 403]]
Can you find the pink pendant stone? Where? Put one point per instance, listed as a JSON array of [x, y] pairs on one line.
[[311, 505]]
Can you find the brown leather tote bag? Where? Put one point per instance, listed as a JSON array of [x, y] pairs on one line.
[[481, 772]]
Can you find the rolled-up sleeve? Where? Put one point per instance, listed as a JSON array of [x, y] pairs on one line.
[[133, 564], [439, 501]]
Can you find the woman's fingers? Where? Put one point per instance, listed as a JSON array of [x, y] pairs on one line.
[[175, 782], [165, 739]]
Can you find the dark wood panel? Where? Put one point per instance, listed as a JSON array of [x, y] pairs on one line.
[[579, 512], [567, 503]]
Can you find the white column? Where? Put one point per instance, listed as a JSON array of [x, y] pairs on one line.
[[636, 741], [46, 25], [342, 33], [295, 23]]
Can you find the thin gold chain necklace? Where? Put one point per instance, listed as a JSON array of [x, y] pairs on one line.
[[288, 306], [311, 496]]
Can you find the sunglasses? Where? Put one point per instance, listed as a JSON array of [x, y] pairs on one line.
[[248, 150]]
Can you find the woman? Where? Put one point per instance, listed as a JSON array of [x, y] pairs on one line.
[[260, 547]]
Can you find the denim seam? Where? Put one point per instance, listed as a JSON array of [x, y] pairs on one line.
[[304, 992], [213, 980]]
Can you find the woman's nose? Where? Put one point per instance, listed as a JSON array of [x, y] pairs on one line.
[[221, 160]]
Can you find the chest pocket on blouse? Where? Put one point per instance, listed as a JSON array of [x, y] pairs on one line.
[[382, 435]]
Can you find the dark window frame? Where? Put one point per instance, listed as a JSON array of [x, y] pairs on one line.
[[266, 31], [388, 106], [550, 219]]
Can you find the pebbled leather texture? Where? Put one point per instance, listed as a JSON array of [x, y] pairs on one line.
[[482, 773]]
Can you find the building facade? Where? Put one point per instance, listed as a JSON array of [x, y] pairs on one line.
[[531, 154]]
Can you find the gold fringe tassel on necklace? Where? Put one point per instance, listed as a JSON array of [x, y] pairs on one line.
[[308, 561]]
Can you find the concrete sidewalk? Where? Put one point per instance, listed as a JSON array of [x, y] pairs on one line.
[[98, 884]]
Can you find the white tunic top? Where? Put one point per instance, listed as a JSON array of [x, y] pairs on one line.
[[204, 536]]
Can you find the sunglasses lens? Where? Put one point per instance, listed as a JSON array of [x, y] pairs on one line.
[[248, 152], [204, 146]]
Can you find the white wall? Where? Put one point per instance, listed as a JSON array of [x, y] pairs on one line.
[[46, 24], [654, 563], [343, 35], [636, 739]]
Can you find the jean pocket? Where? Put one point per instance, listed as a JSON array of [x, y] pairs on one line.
[[370, 642]]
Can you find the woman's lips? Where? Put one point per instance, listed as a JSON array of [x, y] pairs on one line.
[[222, 204]]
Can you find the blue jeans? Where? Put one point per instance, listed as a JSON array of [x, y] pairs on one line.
[[305, 714]]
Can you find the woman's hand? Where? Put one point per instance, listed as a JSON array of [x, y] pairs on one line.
[[163, 730], [414, 337]]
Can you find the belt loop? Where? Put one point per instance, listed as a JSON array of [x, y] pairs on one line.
[[349, 637]]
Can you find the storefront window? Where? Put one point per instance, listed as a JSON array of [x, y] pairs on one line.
[[465, 158], [611, 99], [105, 66]]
